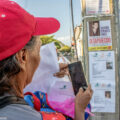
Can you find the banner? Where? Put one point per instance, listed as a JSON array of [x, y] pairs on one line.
[[97, 7], [99, 35], [102, 79]]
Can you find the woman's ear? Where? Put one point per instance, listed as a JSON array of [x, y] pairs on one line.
[[22, 58]]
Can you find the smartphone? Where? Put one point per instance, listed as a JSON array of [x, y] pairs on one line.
[[77, 76]]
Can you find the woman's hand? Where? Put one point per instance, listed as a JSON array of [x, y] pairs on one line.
[[63, 70], [82, 100]]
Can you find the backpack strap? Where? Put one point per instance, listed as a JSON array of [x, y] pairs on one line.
[[36, 101], [7, 100]]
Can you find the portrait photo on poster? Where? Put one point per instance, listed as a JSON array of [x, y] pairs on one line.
[[109, 65], [108, 94], [94, 28]]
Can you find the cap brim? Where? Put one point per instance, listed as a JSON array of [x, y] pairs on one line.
[[46, 26]]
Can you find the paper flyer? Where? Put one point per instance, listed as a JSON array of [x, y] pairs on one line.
[[99, 35], [102, 79], [97, 7]]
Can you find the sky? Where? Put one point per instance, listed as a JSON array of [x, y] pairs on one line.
[[60, 9]]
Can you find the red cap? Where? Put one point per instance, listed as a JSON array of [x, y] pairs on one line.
[[17, 27]]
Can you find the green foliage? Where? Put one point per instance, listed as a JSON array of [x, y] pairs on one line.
[[46, 39], [57, 45], [60, 46], [65, 49]]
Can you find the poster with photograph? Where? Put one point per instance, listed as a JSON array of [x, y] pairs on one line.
[[102, 79], [97, 7], [103, 99], [99, 35]]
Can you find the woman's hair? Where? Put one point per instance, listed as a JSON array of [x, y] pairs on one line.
[[9, 67]]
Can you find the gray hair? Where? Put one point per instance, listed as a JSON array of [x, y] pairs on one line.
[[9, 67]]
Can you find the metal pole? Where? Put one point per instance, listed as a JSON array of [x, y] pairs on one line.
[[116, 6], [118, 43], [73, 29]]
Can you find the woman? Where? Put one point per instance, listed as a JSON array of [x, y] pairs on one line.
[[19, 58]]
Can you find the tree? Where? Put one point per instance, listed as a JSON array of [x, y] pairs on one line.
[[59, 45], [65, 49]]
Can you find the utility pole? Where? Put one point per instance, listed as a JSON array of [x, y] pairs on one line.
[[76, 53], [116, 4]]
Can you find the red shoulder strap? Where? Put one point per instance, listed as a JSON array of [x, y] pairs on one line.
[[36, 101], [52, 116]]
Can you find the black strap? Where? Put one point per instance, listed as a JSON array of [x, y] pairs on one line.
[[7, 100]]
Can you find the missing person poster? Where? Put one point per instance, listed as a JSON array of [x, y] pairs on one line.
[[97, 7], [102, 79], [99, 35]]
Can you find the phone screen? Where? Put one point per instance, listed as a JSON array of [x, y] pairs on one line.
[[77, 76]]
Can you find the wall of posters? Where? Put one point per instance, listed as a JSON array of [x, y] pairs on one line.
[[97, 7], [99, 35], [102, 79]]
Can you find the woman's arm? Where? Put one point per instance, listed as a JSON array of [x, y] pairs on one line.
[[82, 100], [63, 70], [79, 115]]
